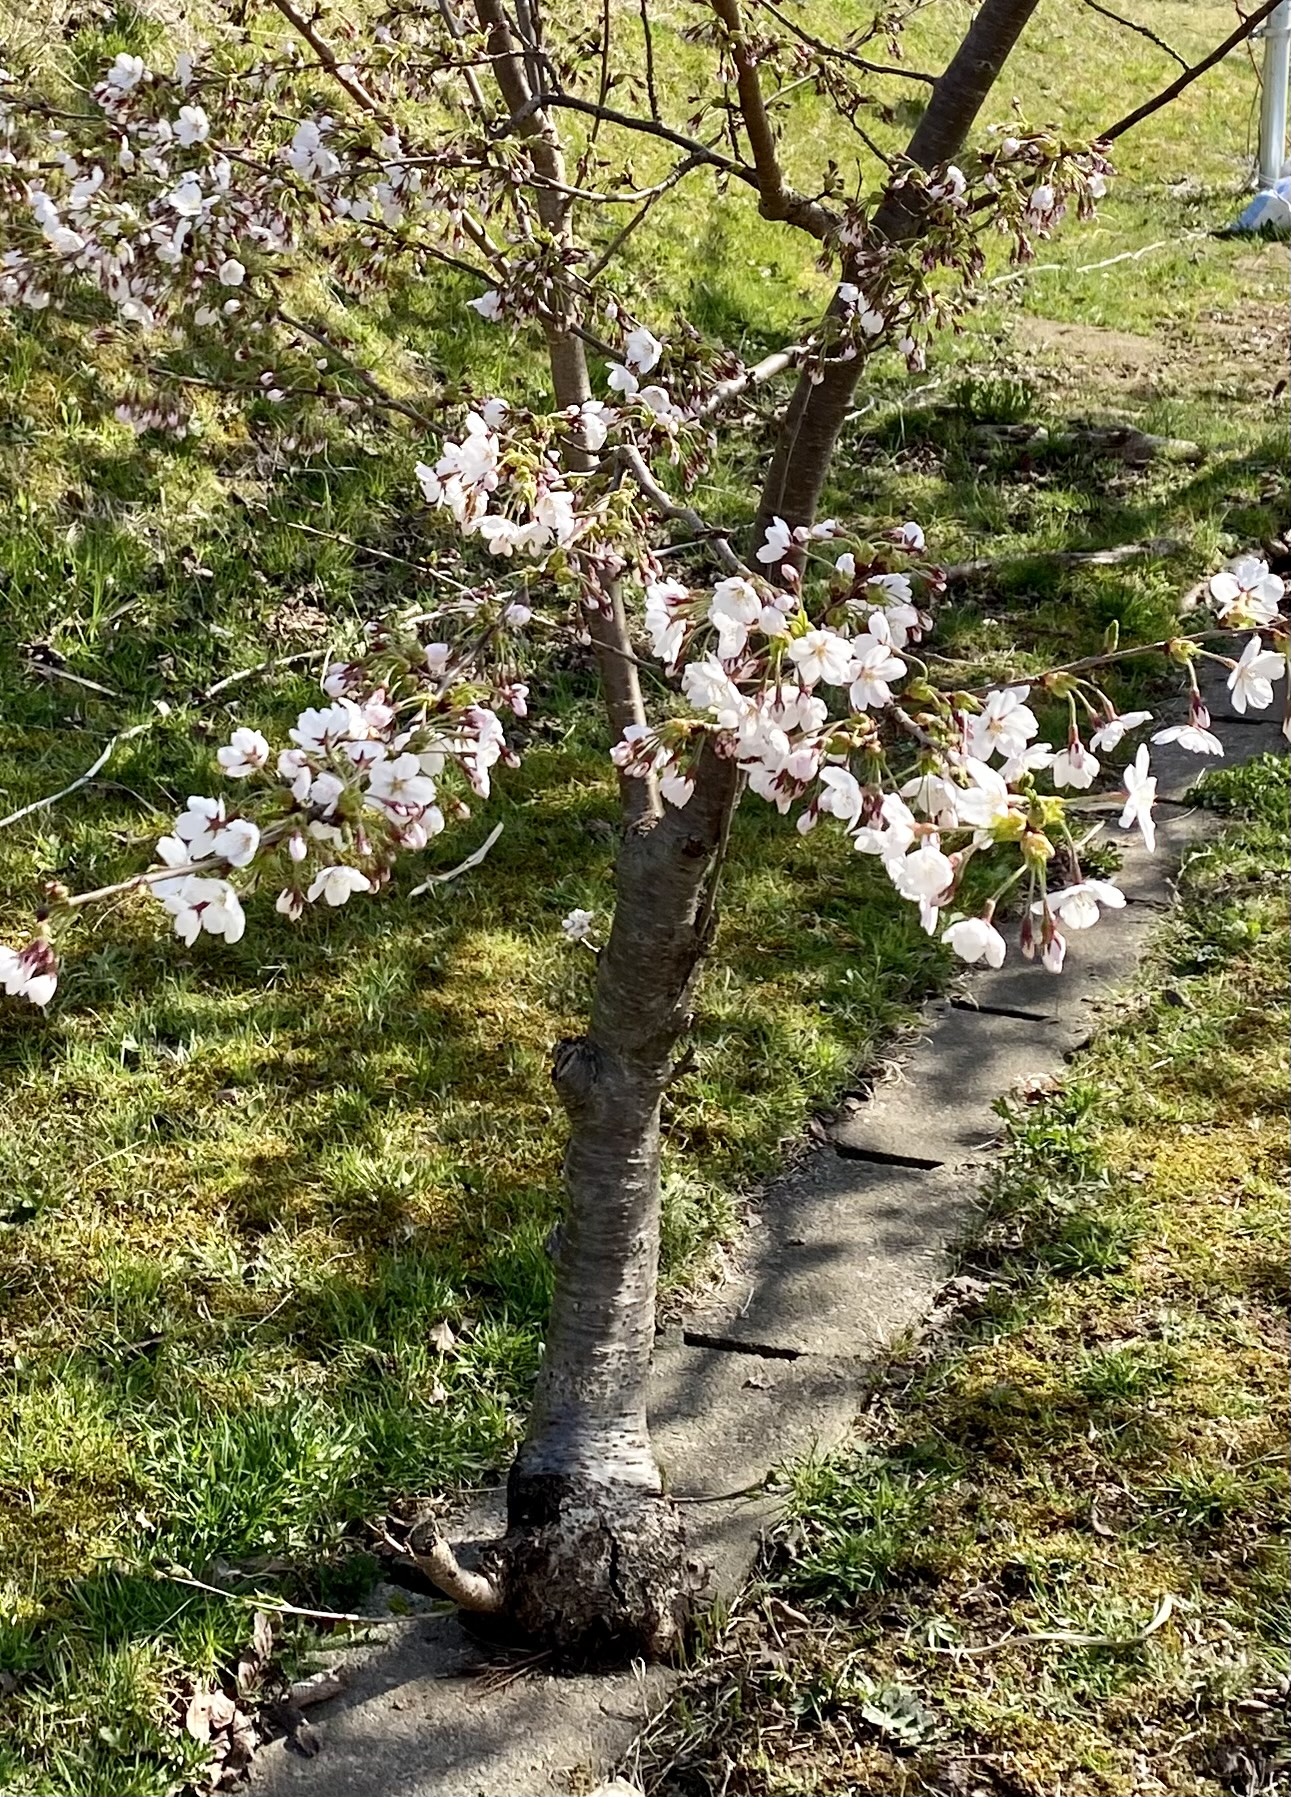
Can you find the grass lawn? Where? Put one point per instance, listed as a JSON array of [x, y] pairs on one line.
[[242, 1188], [1054, 1559]]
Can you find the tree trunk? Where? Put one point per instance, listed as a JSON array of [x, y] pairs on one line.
[[805, 445], [594, 1559]]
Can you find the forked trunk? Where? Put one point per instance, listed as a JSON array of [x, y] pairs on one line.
[[594, 1558], [820, 402]]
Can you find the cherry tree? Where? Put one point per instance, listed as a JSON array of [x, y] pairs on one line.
[[183, 204]]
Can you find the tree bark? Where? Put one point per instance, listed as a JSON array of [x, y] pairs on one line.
[[594, 1559], [805, 445]]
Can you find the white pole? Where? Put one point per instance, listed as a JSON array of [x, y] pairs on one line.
[[1273, 99]]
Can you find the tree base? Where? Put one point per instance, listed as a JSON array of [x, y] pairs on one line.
[[594, 1572]]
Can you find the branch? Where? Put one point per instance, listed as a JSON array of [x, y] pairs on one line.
[[327, 56], [776, 199], [1176, 87], [1133, 25], [839, 54], [630, 458], [83, 780], [360, 374], [274, 662], [762, 371], [702, 152]]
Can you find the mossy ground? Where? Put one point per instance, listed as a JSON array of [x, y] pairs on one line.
[[242, 1187]]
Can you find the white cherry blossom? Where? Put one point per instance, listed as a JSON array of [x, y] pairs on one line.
[[1251, 681], [976, 939], [1246, 593], [335, 885], [238, 841], [576, 926], [1193, 737], [841, 796], [779, 541], [642, 350], [1108, 736], [923, 873], [1140, 796], [196, 827], [489, 305], [872, 667], [1053, 951], [1074, 766], [1005, 724], [676, 788], [401, 784], [735, 606], [822, 655], [246, 753], [1077, 906]]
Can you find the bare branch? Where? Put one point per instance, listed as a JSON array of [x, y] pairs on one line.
[[1133, 25], [838, 53], [328, 57], [630, 458], [762, 371], [1176, 87], [702, 152]]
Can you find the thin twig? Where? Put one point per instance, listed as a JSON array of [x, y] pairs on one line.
[[1134, 25], [47, 671], [632, 460], [84, 779], [277, 1607], [838, 53]]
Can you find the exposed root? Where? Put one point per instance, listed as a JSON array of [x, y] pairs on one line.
[[469, 1590]]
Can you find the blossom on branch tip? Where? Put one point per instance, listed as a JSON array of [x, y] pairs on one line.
[[822, 655], [488, 305], [779, 541], [192, 126], [126, 73], [1109, 734], [1074, 766], [677, 788], [196, 827], [923, 873], [30, 973], [1246, 593], [210, 905], [238, 841], [1077, 906], [642, 350]]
